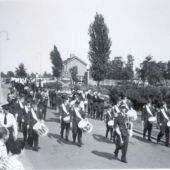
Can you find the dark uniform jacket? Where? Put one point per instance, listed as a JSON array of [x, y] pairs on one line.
[[121, 121], [145, 115], [108, 116], [63, 114], [75, 119], [161, 119]]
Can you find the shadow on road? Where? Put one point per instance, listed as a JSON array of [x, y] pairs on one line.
[[140, 138], [59, 139], [57, 120], [101, 138], [104, 155]]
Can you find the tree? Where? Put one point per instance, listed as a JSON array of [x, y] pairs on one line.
[[10, 74], [3, 75], [99, 48], [57, 62], [21, 71], [150, 71], [129, 67], [73, 72]]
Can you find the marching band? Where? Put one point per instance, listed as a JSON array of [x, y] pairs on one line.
[[27, 107]]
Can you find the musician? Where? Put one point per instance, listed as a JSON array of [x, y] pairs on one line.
[[115, 111], [147, 112], [100, 109], [65, 113], [26, 120], [121, 122], [90, 102], [33, 138], [162, 119], [95, 104], [108, 117], [8, 121], [45, 103], [76, 117]]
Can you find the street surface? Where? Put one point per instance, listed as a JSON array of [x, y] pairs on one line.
[[96, 152]]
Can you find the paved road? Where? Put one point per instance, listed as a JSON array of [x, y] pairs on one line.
[[96, 152]]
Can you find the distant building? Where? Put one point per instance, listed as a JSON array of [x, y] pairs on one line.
[[73, 61]]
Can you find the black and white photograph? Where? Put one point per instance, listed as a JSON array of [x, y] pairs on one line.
[[84, 84]]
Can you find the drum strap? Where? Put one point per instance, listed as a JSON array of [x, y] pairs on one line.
[[64, 109], [77, 113], [34, 114], [164, 114], [116, 108], [148, 110], [20, 104]]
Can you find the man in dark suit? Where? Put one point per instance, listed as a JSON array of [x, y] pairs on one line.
[[65, 113], [120, 122], [147, 112], [162, 119]]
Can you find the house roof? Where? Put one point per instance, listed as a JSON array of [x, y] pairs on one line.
[[68, 60]]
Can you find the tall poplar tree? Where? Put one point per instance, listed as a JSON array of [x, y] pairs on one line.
[[99, 48], [56, 62]]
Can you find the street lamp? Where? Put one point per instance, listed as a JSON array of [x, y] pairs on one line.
[[7, 38]]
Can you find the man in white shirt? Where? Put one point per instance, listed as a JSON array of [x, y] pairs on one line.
[[8, 121]]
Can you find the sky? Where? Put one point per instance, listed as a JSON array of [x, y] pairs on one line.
[[136, 27]]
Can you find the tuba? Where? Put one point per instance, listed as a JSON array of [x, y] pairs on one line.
[[41, 129]]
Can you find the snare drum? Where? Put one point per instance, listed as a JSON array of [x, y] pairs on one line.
[[85, 125], [168, 123], [152, 119], [66, 119], [41, 128], [110, 123]]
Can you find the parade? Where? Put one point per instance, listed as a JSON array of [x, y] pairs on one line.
[[84, 84], [25, 109]]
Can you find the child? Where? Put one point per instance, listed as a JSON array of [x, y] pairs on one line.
[[12, 162], [4, 134]]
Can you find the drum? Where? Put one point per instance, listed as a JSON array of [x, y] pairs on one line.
[[66, 119], [41, 128], [85, 125], [110, 123], [168, 123], [152, 119], [132, 114]]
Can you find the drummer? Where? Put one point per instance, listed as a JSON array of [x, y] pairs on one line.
[[162, 119], [65, 117], [147, 112], [109, 117], [76, 117]]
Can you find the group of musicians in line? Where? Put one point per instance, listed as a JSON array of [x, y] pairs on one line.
[[25, 109], [21, 113]]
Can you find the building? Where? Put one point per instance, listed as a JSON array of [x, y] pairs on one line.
[[73, 61]]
